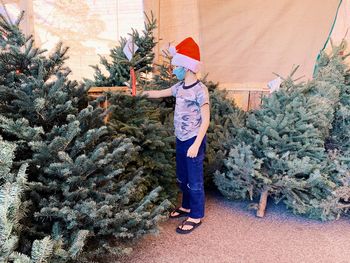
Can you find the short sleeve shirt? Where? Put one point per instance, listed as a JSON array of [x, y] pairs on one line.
[[189, 100]]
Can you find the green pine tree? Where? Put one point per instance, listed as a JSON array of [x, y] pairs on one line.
[[225, 120], [82, 190], [148, 125], [288, 156], [118, 66], [340, 135], [12, 210]]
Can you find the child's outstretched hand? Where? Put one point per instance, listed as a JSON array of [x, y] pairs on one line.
[[193, 151]]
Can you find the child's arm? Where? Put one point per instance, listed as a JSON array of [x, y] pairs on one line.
[[205, 113], [156, 94]]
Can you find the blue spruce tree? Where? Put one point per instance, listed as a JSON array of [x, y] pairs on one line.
[[288, 157], [82, 190]]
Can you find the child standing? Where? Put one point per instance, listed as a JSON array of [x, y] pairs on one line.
[[191, 121]]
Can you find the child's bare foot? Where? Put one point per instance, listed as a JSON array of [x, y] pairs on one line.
[[174, 213]]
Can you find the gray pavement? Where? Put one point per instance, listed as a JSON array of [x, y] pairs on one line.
[[231, 233]]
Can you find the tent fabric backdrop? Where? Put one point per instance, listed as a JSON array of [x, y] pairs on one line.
[[243, 42], [341, 28]]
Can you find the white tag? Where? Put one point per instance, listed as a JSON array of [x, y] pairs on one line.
[[130, 49], [274, 84]]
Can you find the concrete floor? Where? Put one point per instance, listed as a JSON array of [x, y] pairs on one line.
[[231, 233]]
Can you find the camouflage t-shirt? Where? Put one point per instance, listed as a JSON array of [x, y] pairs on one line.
[[189, 100]]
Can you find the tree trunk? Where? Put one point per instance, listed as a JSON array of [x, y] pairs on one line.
[[262, 204]]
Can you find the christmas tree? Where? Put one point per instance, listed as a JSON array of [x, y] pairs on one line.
[[148, 126], [146, 122], [226, 117], [13, 210], [287, 157], [225, 120], [118, 68], [82, 191], [340, 134]]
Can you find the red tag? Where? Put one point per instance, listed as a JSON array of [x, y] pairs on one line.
[[133, 81]]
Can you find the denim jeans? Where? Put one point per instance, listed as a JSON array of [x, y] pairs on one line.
[[189, 173]]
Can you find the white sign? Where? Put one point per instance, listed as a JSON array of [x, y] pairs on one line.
[[130, 49], [274, 84]]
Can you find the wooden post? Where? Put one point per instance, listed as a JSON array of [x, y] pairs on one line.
[[262, 203], [95, 92]]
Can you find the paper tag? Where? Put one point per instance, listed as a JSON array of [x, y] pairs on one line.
[[274, 84], [129, 49]]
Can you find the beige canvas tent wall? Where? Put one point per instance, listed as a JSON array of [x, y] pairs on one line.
[[341, 28], [244, 42], [88, 27]]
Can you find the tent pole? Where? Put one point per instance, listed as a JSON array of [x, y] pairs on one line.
[[328, 38]]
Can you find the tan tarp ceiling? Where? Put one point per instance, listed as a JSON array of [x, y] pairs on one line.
[[242, 42]]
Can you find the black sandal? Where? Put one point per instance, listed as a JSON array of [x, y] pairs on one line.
[[180, 212], [189, 223]]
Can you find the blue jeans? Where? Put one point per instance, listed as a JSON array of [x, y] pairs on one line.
[[189, 173]]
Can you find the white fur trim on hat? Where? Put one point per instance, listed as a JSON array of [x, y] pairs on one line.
[[186, 62]]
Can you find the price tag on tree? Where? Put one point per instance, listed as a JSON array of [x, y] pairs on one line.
[[129, 49], [274, 84]]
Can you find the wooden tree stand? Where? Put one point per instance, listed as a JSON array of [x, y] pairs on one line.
[[262, 204], [95, 92]]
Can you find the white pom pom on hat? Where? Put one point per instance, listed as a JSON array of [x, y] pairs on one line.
[[186, 54]]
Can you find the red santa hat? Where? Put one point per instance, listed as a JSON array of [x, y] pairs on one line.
[[186, 54]]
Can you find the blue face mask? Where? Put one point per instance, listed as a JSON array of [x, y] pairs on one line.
[[180, 73]]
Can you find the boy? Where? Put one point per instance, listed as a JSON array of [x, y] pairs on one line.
[[191, 121]]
